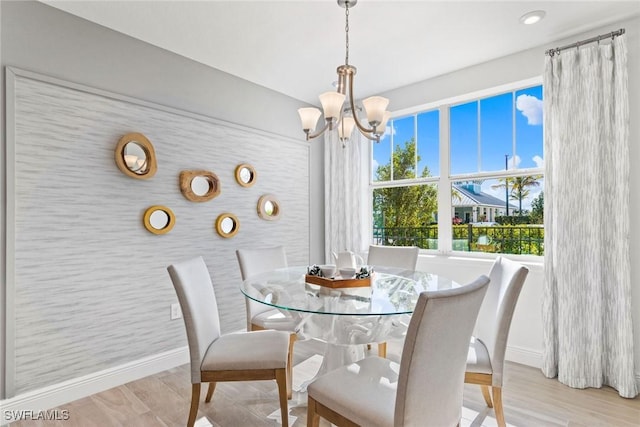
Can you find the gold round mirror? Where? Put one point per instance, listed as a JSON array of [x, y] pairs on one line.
[[135, 156], [269, 207], [246, 175], [227, 225], [199, 185], [158, 219]]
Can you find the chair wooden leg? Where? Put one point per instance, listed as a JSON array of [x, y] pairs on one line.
[[212, 387], [486, 395], [195, 400], [313, 418], [292, 340], [281, 379], [382, 350], [497, 405]]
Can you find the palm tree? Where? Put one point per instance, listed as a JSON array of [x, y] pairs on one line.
[[519, 187]]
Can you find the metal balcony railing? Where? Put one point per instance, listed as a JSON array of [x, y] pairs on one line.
[[506, 239]]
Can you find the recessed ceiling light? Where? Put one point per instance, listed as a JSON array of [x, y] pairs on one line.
[[532, 17]]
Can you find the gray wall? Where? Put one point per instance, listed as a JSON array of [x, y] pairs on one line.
[[526, 332], [44, 40]]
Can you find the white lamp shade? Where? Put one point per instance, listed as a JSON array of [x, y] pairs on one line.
[[345, 128], [332, 104], [375, 107], [309, 117], [382, 127]]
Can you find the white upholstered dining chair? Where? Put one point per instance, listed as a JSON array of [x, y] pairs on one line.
[[244, 356], [485, 361], [402, 257], [425, 389], [261, 316]]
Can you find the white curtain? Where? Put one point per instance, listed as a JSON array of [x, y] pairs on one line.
[[345, 188], [587, 292]]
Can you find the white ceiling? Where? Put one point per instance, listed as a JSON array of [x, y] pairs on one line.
[[294, 47]]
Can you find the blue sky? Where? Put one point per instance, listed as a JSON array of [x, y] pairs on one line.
[[476, 148]]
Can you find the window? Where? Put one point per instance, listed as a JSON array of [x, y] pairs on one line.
[[494, 177], [405, 163]]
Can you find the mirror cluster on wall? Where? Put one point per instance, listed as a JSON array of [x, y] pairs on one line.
[[158, 219], [227, 225], [136, 158], [199, 185], [268, 207], [246, 175]]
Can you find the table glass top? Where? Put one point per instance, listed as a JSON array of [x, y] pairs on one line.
[[392, 291]]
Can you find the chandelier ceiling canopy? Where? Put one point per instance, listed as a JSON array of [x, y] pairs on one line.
[[345, 118]]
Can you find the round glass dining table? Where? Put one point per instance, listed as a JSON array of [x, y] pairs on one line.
[[345, 317], [393, 291]]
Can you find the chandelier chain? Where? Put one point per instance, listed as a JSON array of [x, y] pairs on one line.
[[346, 31]]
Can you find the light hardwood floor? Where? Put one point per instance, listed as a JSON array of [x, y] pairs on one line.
[[163, 399]]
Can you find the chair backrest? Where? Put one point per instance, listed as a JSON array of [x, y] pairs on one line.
[[496, 312], [431, 378], [404, 257], [256, 261], [197, 299]]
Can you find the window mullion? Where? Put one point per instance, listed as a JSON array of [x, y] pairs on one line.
[[479, 134], [445, 211], [391, 151], [415, 138], [513, 129]]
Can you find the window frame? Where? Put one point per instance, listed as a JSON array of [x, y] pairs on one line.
[[445, 180]]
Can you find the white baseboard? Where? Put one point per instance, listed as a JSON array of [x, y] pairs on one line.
[[524, 356], [77, 388]]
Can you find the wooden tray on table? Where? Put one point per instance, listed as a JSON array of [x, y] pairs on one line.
[[338, 283]]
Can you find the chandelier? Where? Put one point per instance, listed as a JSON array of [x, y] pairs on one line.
[[345, 119]]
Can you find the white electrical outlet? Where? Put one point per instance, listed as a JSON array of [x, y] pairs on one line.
[[176, 313]]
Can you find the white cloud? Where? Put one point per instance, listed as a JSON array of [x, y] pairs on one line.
[[388, 130], [374, 165], [531, 108], [495, 192], [514, 162], [539, 161]]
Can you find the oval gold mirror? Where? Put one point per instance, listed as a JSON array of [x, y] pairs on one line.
[[246, 175], [158, 219], [227, 225], [135, 156], [199, 185], [269, 207]]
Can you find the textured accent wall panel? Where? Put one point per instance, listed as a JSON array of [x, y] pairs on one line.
[[90, 287]]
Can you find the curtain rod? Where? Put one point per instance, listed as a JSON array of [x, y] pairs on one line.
[[612, 34]]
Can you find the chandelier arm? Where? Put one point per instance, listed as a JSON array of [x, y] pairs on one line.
[[371, 136], [353, 108], [320, 132]]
